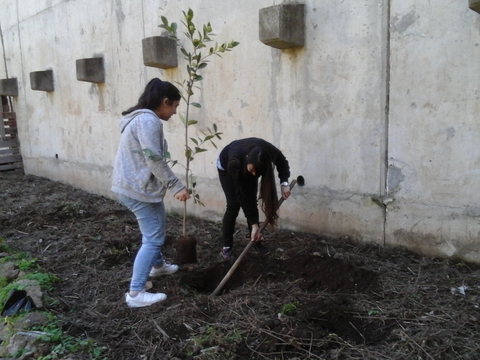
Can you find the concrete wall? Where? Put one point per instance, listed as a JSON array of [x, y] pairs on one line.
[[379, 107], [433, 152]]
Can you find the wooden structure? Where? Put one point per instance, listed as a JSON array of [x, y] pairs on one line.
[[10, 158]]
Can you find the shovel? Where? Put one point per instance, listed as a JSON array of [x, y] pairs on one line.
[[300, 181]]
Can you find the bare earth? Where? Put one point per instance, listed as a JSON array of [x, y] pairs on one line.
[[311, 298]]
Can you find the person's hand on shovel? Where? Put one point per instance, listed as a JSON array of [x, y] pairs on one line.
[[255, 234], [285, 191]]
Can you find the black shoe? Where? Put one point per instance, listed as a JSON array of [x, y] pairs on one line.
[[261, 249]]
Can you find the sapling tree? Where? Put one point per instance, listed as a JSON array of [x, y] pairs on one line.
[[196, 53]]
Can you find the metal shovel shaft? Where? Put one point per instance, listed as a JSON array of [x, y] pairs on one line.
[[249, 245]]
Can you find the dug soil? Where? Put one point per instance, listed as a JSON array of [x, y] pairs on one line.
[[312, 297]]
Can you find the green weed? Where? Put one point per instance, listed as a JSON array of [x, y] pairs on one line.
[[289, 309], [64, 344]]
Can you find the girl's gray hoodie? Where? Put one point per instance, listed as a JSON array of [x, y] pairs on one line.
[[135, 174]]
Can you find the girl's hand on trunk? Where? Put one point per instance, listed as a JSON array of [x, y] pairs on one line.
[[182, 195]]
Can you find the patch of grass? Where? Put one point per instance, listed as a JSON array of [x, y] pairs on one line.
[[205, 344], [63, 344], [3, 282], [46, 281], [4, 247], [24, 264], [289, 309], [13, 257]]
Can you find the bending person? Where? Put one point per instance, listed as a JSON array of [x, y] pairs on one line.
[[239, 165]]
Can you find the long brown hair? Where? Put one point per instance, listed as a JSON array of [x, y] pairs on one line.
[[262, 163]]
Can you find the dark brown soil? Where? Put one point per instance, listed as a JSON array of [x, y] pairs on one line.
[[312, 297]]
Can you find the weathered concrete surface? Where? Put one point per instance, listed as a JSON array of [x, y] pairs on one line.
[[433, 154], [380, 87]]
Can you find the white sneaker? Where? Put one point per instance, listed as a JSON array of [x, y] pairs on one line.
[[144, 298], [166, 269]]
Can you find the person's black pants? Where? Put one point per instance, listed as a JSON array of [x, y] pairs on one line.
[[249, 190]]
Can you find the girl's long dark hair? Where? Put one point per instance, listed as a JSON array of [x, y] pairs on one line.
[[155, 91], [262, 162]]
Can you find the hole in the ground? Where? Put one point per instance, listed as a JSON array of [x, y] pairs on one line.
[[313, 273]]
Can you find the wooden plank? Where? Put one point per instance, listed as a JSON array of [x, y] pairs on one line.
[[2, 131], [10, 131], [7, 122], [10, 151], [9, 115], [7, 143], [10, 159], [11, 166]]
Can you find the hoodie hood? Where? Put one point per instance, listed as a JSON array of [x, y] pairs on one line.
[[129, 117]]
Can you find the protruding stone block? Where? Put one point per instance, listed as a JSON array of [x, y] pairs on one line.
[[9, 87], [160, 52], [282, 26], [91, 70], [42, 80], [474, 5]]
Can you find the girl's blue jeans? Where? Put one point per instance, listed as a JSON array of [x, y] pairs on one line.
[[151, 219]]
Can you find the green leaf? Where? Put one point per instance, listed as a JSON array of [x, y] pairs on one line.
[[199, 150], [190, 14], [197, 105], [182, 118], [164, 20], [174, 27], [194, 140], [202, 65], [192, 122]]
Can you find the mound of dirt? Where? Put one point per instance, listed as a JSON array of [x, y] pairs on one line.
[[311, 297]]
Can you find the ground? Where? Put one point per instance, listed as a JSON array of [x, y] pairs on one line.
[[311, 297]]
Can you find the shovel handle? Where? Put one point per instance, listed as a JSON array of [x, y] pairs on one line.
[[249, 245]]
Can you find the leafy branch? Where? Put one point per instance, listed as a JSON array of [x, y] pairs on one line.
[[197, 59]]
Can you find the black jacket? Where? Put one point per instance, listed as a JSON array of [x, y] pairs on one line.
[[233, 161]]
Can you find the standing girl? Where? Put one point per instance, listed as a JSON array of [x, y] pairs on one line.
[[141, 180], [239, 165]]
